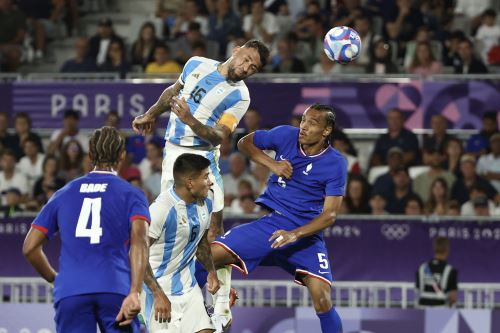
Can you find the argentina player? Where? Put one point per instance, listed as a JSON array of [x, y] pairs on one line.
[[102, 222], [304, 194]]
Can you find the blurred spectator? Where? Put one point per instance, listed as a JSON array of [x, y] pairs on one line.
[[325, 66], [81, 63], [339, 135], [362, 25], [451, 46], [167, 10], [10, 176], [488, 166], [462, 186], [226, 148], [134, 178], [398, 197], [380, 59], [70, 131], [31, 164], [295, 120], [481, 206], [238, 172], [12, 33], [284, 19], [22, 125], [453, 208], [100, 42], [87, 165], [476, 192], [6, 139], [384, 184], [431, 16], [71, 160], [115, 61], [245, 189], [199, 49], [260, 24], [423, 35], [223, 25], [186, 44], [189, 13], [414, 206], [154, 150], [153, 182], [436, 280], [346, 12], [144, 46], [479, 143], [438, 139], [112, 119], [396, 136], [13, 199], [377, 204], [357, 195], [424, 63], [252, 120], [343, 145], [454, 151], [488, 34], [402, 22], [423, 183], [43, 19], [135, 145], [438, 197], [163, 61], [312, 34], [248, 206], [285, 61], [49, 181], [468, 63], [261, 175]]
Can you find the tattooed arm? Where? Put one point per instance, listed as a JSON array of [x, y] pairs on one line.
[[204, 256], [143, 124]]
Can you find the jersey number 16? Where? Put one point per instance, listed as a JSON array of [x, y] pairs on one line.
[[90, 206]]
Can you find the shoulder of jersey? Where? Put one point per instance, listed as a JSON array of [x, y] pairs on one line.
[[334, 154]]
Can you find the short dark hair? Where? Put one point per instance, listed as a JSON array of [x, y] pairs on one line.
[[415, 197], [440, 245], [189, 165], [491, 115], [9, 152], [329, 117], [71, 114], [106, 145], [163, 46], [490, 12], [23, 115], [261, 48]]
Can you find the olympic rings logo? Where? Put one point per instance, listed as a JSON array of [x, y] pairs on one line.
[[395, 231]]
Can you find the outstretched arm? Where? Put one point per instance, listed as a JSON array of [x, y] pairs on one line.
[[143, 124], [249, 149], [330, 209], [204, 256], [33, 251]]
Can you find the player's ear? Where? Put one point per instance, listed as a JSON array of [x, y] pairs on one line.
[[236, 49]]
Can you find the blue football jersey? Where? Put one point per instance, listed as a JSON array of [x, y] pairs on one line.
[[93, 215], [314, 177]]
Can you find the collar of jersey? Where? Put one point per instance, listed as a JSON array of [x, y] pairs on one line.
[[178, 199], [312, 156], [114, 173]]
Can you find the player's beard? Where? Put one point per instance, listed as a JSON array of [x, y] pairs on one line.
[[232, 76]]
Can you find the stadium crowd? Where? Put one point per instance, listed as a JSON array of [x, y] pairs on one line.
[[399, 36], [443, 176]]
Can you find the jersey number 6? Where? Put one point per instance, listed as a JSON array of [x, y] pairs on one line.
[[194, 233], [90, 206]]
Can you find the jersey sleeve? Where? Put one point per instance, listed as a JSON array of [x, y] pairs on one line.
[[209, 202], [190, 65], [236, 105], [270, 139], [452, 281], [335, 186], [46, 220], [138, 207]]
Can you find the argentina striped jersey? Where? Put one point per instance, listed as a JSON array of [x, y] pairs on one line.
[[211, 99], [178, 228]]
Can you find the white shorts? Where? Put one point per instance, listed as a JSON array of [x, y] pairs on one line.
[[188, 314], [170, 154]]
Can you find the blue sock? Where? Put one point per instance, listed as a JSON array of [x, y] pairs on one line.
[[200, 274], [330, 321]]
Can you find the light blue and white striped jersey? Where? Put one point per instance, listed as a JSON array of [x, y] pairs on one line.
[[210, 97], [178, 228]]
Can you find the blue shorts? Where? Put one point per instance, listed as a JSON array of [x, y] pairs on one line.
[[250, 244], [82, 314]]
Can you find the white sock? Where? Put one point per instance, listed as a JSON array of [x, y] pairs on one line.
[[221, 298]]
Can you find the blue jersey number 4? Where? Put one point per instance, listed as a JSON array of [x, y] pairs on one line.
[[91, 207]]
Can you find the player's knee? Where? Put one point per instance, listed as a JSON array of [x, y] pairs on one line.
[[322, 301]]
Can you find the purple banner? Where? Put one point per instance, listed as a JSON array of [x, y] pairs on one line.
[[359, 104], [359, 250]]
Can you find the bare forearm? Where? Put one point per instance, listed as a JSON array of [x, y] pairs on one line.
[[204, 255], [150, 280], [247, 147], [321, 222], [39, 261], [214, 135], [138, 255], [163, 102]]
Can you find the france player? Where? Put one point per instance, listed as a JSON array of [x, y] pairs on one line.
[[304, 194], [180, 218], [102, 221]]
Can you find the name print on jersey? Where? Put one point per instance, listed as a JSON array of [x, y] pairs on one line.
[[93, 188]]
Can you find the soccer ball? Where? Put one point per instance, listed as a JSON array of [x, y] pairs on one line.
[[342, 44]]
